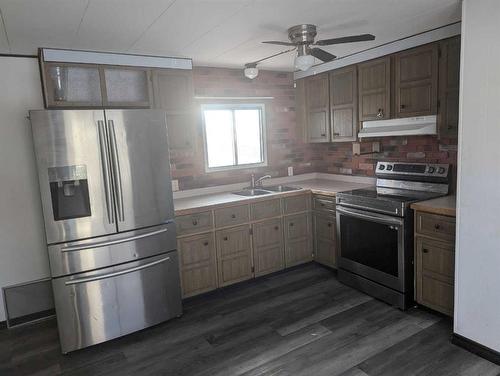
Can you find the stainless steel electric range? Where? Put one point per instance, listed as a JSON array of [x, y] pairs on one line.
[[375, 229]]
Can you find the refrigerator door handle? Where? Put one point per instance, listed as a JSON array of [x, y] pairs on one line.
[[101, 132], [115, 274], [112, 242], [117, 173]]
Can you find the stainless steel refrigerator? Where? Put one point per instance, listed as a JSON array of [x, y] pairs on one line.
[[108, 209]]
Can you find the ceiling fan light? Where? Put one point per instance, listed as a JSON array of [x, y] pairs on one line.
[[251, 72], [304, 62]]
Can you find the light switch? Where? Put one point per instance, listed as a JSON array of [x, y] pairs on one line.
[[356, 148], [175, 185], [290, 171]]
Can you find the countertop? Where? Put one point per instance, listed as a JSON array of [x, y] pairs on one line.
[[328, 187], [442, 205]]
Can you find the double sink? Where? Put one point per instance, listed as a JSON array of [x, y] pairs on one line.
[[250, 192]]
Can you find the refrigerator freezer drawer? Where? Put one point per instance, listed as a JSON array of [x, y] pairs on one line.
[[105, 251], [108, 303]]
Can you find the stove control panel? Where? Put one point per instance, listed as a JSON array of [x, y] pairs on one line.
[[413, 169]]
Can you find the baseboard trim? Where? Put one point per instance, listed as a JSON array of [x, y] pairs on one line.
[[476, 348]]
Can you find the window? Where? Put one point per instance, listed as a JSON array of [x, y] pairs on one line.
[[234, 136]]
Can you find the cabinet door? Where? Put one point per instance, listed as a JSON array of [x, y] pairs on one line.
[[72, 85], [416, 73], [434, 266], [173, 92], [126, 87], [268, 250], [344, 104], [374, 89], [298, 240], [197, 264], [317, 104], [234, 255], [449, 85], [324, 239], [300, 109]]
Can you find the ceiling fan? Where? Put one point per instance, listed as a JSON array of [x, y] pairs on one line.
[[302, 39]]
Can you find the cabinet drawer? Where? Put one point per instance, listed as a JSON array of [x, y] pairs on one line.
[[297, 226], [191, 223], [196, 249], [324, 227], [296, 204], [265, 209], [324, 203], [438, 226], [233, 215]]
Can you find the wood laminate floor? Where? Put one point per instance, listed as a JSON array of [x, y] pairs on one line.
[[301, 322]]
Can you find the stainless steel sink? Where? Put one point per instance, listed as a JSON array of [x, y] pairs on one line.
[[281, 188], [252, 192]]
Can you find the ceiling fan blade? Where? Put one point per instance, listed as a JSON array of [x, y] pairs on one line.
[[349, 39], [322, 54], [279, 43]]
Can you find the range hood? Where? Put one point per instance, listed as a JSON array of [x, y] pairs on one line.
[[413, 126]]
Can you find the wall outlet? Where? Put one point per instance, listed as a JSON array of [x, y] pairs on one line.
[[376, 147], [356, 148], [290, 171], [175, 185]]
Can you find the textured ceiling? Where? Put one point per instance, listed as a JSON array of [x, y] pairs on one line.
[[225, 33]]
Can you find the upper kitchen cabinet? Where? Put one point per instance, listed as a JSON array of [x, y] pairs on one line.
[[416, 81], [449, 84], [317, 108], [374, 89], [173, 92], [72, 85], [344, 104], [126, 87], [69, 85], [300, 108]]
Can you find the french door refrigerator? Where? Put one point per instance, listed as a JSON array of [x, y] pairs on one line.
[[108, 210]]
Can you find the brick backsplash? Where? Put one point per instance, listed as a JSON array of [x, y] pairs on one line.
[[284, 138]]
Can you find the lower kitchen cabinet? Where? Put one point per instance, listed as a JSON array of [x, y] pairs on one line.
[[434, 264], [298, 240], [198, 266], [324, 239], [268, 250], [234, 254]]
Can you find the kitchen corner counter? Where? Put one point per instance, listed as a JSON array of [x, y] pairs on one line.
[[442, 205], [327, 187]]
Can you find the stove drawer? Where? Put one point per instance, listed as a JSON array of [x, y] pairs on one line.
[[437, 226]]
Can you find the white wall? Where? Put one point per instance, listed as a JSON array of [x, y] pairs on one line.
[[477, 275], [23, 256]]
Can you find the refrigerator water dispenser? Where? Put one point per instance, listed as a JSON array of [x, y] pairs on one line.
[[69, 192]]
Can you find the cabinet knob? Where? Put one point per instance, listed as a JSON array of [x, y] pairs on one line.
[[425, 250], [225, 237], [336, 134], [437, 226], [329, 224], [380, 113], [291, 224], [323, 134], [195, 222], [205, 243], [233, 216], [276, 228], [402, 106]]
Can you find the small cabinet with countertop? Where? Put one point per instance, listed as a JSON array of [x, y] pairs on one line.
[[324, 230], [434, 256]]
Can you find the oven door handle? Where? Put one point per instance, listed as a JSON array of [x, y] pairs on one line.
[[369, 216]]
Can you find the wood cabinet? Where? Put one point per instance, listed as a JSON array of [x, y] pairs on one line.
[[234, 255], [298, 241], [344, 104], [416, 81], [173, 92], [324, 230], [197, 261], [300, 109], [448, 87], [374, 89], [317, 108], [434, 261], [69, 85], [268, 251]]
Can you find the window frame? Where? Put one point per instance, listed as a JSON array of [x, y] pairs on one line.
[[263, 129]]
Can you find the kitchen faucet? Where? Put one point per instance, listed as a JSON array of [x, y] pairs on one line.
[[258, 183]]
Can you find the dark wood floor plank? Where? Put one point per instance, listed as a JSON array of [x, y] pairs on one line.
[[300, 322]]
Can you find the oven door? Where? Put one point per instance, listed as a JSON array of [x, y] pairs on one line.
[[372, 246]]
